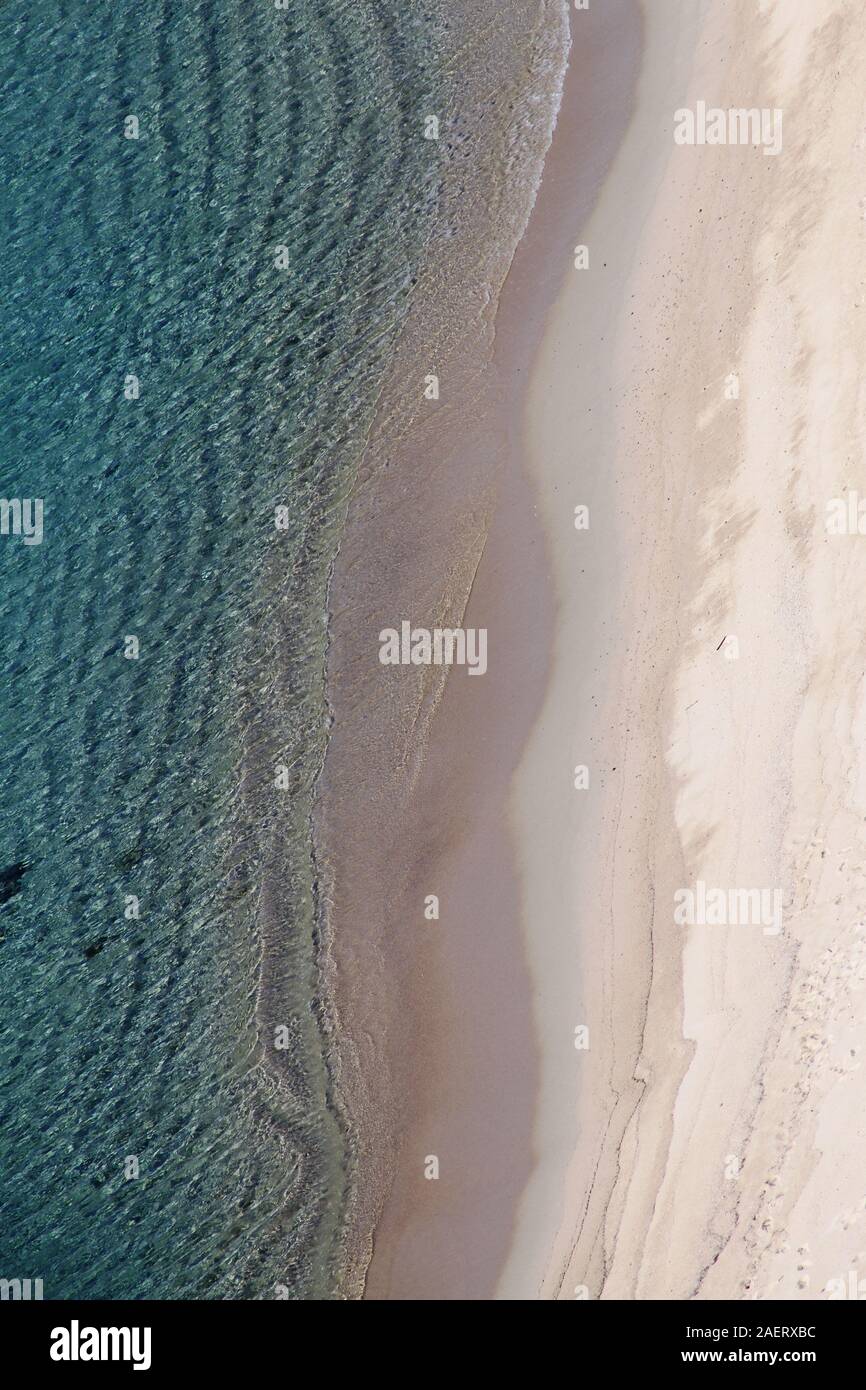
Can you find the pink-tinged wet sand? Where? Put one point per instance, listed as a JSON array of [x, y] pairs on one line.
[[435, 1018]]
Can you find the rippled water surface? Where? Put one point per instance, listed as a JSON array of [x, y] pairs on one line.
[[147, 1043]]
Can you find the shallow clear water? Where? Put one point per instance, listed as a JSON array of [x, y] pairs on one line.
[[152, 1038]]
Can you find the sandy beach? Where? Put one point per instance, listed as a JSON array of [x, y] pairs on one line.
[[622, 1103], [698, 389]]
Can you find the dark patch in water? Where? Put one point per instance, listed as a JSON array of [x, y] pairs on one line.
[[10, 879]]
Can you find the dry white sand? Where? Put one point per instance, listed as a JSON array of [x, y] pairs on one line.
[[711, 1141]]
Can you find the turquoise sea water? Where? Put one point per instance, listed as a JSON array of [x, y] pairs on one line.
[[149, 1040]]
